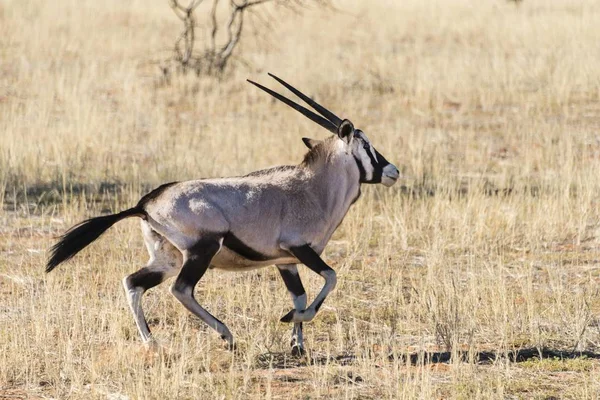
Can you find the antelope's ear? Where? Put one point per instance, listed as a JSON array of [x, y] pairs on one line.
[[310, 143], [345, 131]]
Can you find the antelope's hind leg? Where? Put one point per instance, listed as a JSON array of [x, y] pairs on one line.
[[196, 261], [289, 274], [165, 260]]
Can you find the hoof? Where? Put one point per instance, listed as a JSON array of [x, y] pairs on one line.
[[298, 316], [229, 343], [288, 317], [231, 347], [298, 351], [152, 345]]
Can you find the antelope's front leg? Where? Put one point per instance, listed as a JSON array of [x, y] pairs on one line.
[[289, 274], [312, 260]]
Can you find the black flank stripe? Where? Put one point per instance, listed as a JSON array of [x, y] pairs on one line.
[[237, 246]]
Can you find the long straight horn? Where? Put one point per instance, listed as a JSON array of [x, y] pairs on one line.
[[319, 108], [325, 123]]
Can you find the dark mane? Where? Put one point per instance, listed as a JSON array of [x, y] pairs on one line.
[[315, 155], [267, 171]]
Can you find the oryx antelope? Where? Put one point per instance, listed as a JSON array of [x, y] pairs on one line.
[[278, 216]]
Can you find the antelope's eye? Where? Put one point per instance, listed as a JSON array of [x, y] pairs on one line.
[[366, 146]]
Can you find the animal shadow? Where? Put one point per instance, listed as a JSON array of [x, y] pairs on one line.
[[279, 360]]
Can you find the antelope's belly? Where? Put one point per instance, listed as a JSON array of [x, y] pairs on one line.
[[228, 259]]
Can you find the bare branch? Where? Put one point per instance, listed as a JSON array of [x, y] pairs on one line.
[[256, 2], [233, 37], [216, 56], [176, 9], [215, 26], [194, 4], [247, 4]]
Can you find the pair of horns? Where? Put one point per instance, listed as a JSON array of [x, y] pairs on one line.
[[328, 120]]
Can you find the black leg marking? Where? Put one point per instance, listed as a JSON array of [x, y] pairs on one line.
[[136, 285], [197, 261], [310, 258], [319, 304], [292, 282], [313, 261], [196, 264], [145, 279], [289, 274], [288, 317]]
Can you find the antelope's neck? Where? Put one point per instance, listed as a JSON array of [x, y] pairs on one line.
[[336, 187]]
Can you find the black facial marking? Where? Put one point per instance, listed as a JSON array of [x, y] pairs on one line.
[[378, 166], [382, 161], [361, 170], [292, 282], [237, 246], [371, 156]]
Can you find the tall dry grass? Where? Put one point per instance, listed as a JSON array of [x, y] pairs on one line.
[[491, 244]]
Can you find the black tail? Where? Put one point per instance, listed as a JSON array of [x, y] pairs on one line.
[[81, 235]]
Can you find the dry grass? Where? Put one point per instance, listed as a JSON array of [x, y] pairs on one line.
[[491, 110]]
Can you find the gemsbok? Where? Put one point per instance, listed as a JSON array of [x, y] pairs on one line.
[[278, 216]]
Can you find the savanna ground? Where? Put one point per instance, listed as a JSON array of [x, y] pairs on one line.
[[489, 245]]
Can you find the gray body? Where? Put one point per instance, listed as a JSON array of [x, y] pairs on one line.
[[280, 216], [269, 211]]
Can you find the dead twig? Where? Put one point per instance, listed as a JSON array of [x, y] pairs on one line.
[[216, 56]]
